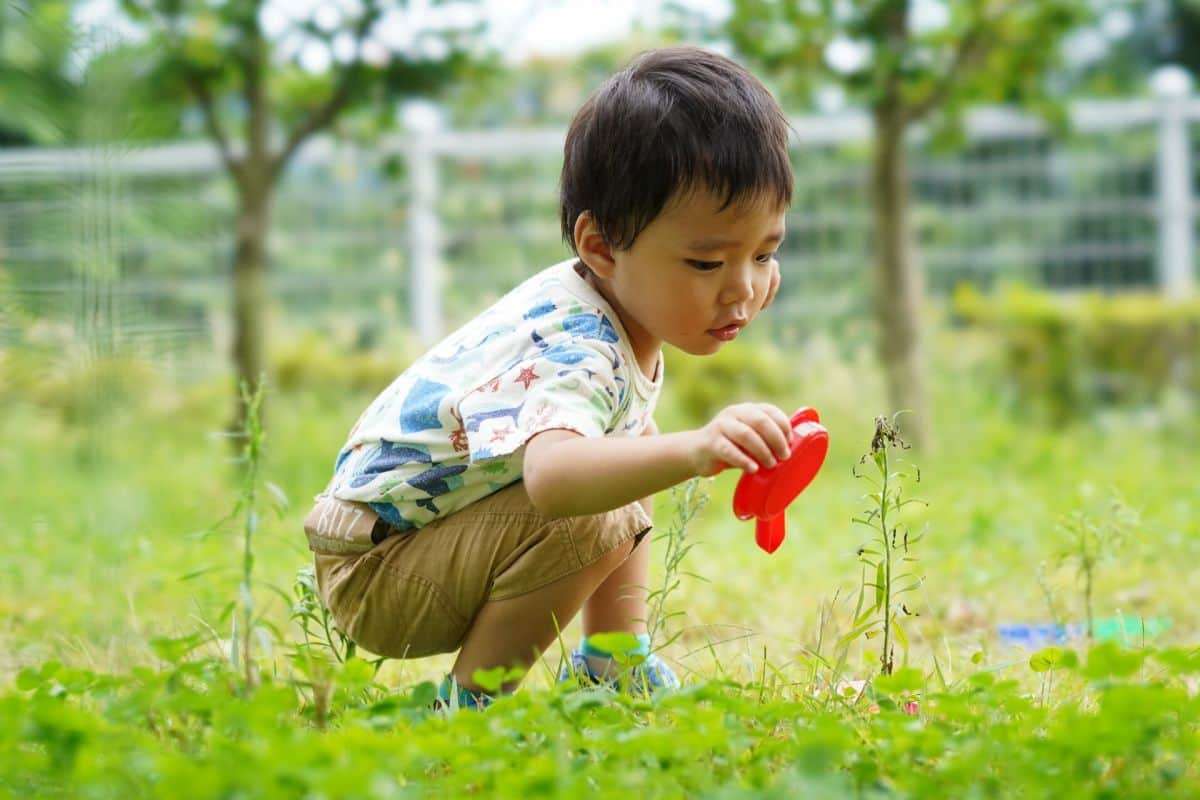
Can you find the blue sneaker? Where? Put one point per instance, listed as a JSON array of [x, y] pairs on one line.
[[648, 677], [449, 692]]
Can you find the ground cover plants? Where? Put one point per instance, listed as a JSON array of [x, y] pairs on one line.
[[127, 644]]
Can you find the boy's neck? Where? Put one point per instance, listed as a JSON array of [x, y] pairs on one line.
[[645, 346]]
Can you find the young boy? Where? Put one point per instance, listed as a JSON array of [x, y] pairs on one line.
[[503, 481]]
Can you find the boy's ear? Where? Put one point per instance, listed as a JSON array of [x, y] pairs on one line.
[[591, 247]]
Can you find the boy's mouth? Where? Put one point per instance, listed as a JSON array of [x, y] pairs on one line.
[[728, 332]]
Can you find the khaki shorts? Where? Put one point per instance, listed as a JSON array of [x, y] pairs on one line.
[[415, 593]]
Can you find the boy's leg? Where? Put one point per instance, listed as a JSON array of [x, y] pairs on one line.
[[516, 630], [619, 602]]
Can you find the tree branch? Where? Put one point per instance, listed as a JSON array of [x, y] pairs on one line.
[[170, 22], [254, 91], [972, 47], [213, 124], [325, 113], [318, 118]]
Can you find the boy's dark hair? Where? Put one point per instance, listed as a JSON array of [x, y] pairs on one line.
[[674, 119]]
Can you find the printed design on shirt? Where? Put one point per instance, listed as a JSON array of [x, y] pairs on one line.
[[458, 436], [438, 480], [459, 357], [474, 420], [342, 456], [542, 414], [388, 457], [590, 375], [591, 326], [447, 430], [495, 467], [435, 482], [421, 404], [560, 353], [391, 515], [526, 377], [540, 310]]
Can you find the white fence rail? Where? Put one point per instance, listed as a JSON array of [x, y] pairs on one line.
[[139, 239]]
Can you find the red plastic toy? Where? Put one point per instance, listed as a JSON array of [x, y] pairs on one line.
[[766, 494]]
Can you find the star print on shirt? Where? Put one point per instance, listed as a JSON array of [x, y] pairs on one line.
[[543, 414], [526, 377]]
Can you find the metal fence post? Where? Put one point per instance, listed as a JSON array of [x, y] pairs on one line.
[[425, 297], [1176, 231]]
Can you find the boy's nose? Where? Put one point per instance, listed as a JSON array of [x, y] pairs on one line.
[[738, 295]]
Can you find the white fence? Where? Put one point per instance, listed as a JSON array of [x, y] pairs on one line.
[[133, 245]]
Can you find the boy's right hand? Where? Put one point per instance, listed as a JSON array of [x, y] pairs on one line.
[[759, 429]]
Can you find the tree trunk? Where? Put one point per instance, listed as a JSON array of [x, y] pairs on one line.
[[250, 291], [898, 282]]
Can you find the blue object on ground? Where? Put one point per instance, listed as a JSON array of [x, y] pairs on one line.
[[1109, 628]]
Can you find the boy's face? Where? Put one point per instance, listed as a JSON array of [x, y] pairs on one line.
[[692, 270]]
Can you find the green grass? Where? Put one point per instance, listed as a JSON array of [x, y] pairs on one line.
[[103, 520]]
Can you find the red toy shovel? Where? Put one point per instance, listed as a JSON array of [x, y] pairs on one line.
[[765, 494]]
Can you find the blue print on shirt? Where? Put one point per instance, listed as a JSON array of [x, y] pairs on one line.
[[434, 481], [471, 423], [458, 358], [560, 353], [591, 326], [540, 310], [390, 515], [590, 373], [419, 412], [388, 457]]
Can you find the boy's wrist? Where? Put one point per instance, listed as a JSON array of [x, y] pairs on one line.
[[683, 442]]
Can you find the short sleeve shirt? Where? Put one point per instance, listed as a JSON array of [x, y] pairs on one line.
[[451, 428]]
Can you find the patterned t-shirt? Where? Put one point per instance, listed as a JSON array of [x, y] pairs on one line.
[[450, 429]]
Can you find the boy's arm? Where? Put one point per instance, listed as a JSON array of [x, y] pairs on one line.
[[568, 475]]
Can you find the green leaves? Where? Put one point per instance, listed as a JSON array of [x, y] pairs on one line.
[[619, 643], [1108, 660], [1049, 658], [903, 681], [66, 732], [858, 630], [174, 649], [491, 680]]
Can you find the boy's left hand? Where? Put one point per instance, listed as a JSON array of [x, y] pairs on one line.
[[774, 287]]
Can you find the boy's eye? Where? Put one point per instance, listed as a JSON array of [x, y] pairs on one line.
[[709, 266]]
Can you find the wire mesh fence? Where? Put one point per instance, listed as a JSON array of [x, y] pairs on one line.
[[130, 250]]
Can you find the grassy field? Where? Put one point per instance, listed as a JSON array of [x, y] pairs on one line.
[[105, 513]]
